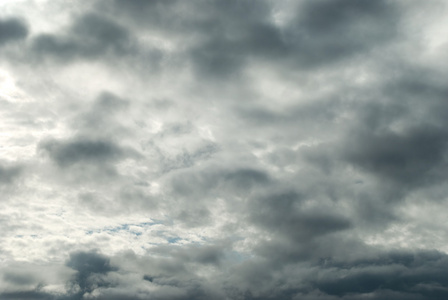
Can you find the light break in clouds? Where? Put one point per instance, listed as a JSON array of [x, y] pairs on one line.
[[223, 149]]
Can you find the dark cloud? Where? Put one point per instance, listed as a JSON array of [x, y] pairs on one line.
[[92, 269], [93, 160], [9, 172], [89, 262], [396, 274], [232, 34], [90, 36], [11, 30], [283, 214], [327, 31], [84, 151], [322, 32], [419, 274], [28, 295], [416, 156], [401, 137], [17, 278], [144, 11], [109, 103]]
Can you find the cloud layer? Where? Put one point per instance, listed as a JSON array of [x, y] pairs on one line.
[[223, 149]]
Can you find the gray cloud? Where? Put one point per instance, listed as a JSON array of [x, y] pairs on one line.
[[412, 157], [231, 34], [89, 37], [420, 275], [224, 150], [11, 30], [90, 267], [28, 295], [330, 30], [67, 153], [397, 274], [8, 173], [283, 215]]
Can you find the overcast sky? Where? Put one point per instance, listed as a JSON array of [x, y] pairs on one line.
[[223, 149]]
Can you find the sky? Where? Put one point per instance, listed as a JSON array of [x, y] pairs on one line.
[[223, 149]]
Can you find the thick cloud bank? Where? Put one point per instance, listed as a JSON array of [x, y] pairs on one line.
[[208, 149]]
